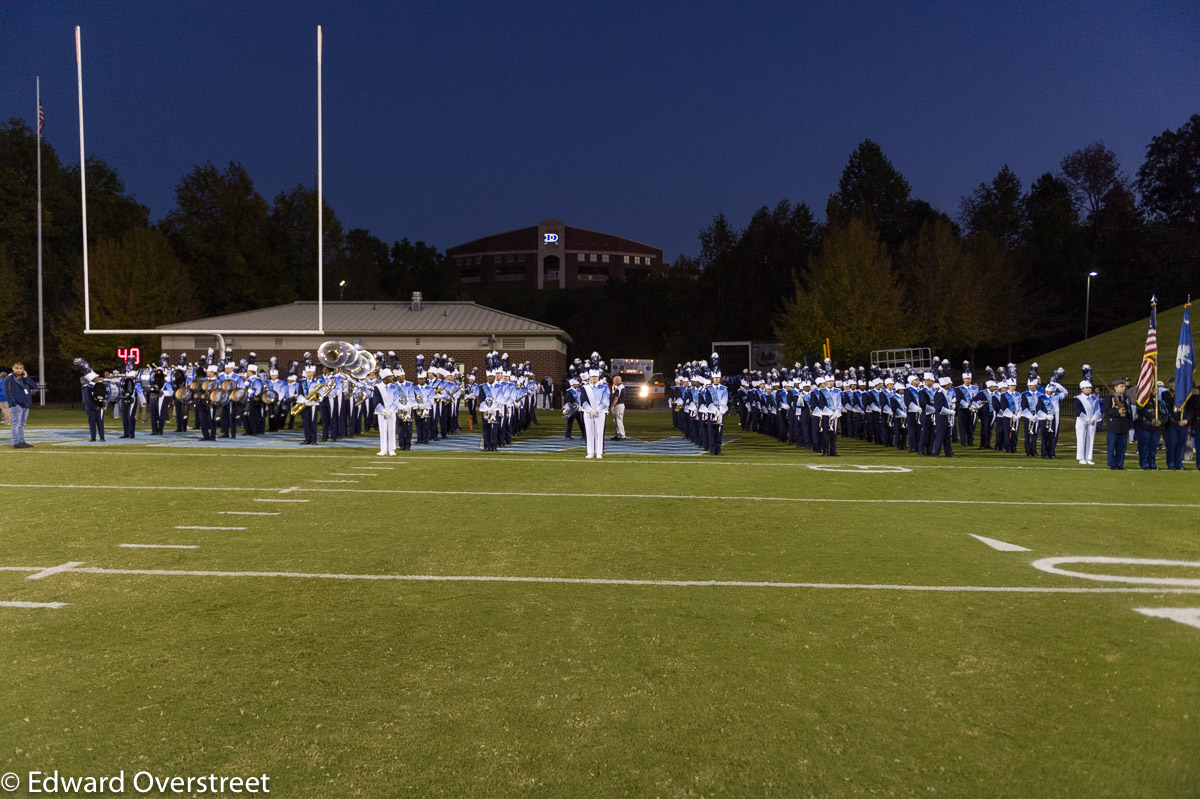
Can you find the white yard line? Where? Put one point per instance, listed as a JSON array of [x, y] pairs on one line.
[[1188, 616], [334, 481], [991, 589], [249, 512], [62, 567], [202, 527], [353, 474], [54, 605], [600, 495], [1002, 546], [531, 457], [159, 546]]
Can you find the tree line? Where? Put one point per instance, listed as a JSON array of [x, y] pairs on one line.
[[1003, 278]]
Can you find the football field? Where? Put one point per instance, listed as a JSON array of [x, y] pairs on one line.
[[659, 623]]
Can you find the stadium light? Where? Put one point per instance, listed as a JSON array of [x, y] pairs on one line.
[[341, 291], [1087, 304]]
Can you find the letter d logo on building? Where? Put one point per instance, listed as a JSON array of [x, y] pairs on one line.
[[551, 238]]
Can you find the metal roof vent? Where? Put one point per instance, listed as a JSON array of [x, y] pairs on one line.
[[416, 300]]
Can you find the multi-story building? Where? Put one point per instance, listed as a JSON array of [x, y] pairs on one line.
[[552, 255]]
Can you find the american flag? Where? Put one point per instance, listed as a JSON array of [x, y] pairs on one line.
[[1145, 383], [41, 119]]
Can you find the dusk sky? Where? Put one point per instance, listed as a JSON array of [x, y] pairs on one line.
[[449, 121]]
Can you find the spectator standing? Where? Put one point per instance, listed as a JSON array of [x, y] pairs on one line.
[[18, 393]]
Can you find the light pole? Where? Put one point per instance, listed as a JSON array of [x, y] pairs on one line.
[[342, 295], [1087, 303]]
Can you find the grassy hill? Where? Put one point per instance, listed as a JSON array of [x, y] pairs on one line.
[[1117, 353]]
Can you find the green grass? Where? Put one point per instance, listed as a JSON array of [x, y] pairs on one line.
[[343, 688], [1117, 353]]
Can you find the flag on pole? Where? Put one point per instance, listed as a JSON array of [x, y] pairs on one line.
[[41, 119], [1146, 377], [1185, 358]]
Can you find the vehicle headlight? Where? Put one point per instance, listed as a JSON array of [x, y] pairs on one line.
[[643, 392]]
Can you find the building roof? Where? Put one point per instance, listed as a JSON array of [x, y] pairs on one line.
[[395, 318], [526, 239]]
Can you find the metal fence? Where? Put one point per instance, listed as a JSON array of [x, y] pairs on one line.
[[916, 357]]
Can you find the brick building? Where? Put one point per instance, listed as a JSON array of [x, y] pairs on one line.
[[463, 330], [553, 255]]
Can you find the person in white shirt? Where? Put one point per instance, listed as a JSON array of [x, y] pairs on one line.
[[593, 403], [386, 401], [1089, 411]]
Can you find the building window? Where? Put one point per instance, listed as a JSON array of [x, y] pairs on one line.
[[626, 259], [637, 259], [520, 257], [647, 260], [478, 260], [581, 257], [508, 258], [604, 258], [593, 257]]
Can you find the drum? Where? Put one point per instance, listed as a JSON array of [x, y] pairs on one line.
[[99, 392], [218, 396], [270, 397], [227, 385], [237, 395], [113, 391], [208, 386], [144, 379], [196, 385], [183, 394]]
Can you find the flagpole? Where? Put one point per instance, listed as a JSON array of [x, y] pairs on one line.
[[41, 330], [320, 201], [87, 307], [1157, 402]]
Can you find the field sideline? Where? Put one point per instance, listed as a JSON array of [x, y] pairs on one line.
[[534, 624]]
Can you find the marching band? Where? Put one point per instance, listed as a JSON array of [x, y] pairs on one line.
[[358, 392], [921, 412]]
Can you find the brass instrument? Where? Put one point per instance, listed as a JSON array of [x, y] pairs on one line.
[[316, 395]]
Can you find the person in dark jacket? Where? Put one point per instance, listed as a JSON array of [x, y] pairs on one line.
[[18, 393], [1189, 420], [1117, 418], [93, 408], [1174, 431]]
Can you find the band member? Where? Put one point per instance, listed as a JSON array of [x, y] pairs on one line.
[[571, 404], [308, 414], [93, 407], [1089, 412], [254, 390], [944, 404], [489, 406], [229, 410], [204, 411], [471, 395], [129, 402], [593, 403], [385, 409], [181, 377], [406, 400], [424, 405]]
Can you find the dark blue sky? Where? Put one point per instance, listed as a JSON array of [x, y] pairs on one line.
[[446, 121]]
